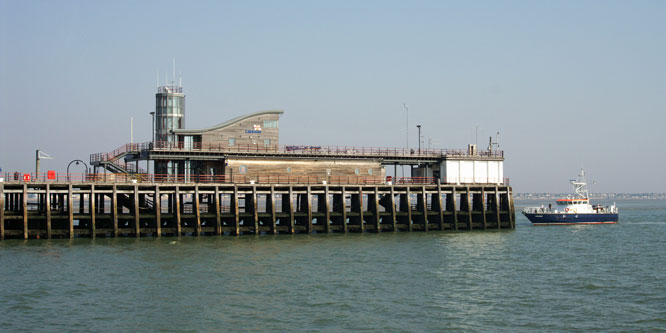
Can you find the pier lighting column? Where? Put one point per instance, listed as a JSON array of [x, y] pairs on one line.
[[419, 127], [152, 113], [77, 163], [406, 125]]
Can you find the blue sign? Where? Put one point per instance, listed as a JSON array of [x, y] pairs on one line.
[[252, 132]]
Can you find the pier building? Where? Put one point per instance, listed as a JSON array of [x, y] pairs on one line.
[[236, 178], [247, 149]]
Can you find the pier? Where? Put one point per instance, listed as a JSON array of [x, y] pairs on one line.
[[102, 209]]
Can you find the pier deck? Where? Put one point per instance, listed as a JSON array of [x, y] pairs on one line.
[[67, 210]]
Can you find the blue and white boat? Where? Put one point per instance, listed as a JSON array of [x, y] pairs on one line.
[[574, 209]]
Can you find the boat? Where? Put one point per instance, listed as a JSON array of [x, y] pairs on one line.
[[574, 209]]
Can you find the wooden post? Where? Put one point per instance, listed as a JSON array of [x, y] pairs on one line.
[[70, 210], [114, 210], [512, 212], [469, 209], [344, 210], [308, 203], [25, 211], [48, 210], [497, 207], [236, 213], [454, 199], [197, 210], [378, 226], [2, 211], [360, 208], [440, 209], [393, 215], [273, 217], [157, 206], [218, 217], [179, 227], [409, 209], [424, 209], [137, 222], [255, 210], [327, 216], [91, 208], [483, 206], [291, 209]]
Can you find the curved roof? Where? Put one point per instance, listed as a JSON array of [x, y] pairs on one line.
[[226, 123]]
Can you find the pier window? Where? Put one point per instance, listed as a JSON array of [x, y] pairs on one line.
[[232, 142], [267, 142], [270, 123]]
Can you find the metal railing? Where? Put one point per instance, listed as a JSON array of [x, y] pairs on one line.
[[17, 177], [321, 150], [119, 152], [288, 150]]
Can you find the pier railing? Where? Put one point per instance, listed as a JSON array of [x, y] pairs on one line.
[[321, 150], [18, 177], [289, 150]]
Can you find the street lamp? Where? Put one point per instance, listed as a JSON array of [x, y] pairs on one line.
[[419, 127], [152, 113], [406, 125], [77, 163]]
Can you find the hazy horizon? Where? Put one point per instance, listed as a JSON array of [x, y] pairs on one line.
[[568, 84]]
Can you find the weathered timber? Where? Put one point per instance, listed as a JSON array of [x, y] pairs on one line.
[[2, 211], [197, 210], [93, 217], [157, 206], [189, 209], [25, 210], [137, 221], [114, 210], [440, 209]]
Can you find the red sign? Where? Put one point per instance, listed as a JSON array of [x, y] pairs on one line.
[[50, 175], [26, 177]]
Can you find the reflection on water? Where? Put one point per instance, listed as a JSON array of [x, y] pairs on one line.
[[529, 279]]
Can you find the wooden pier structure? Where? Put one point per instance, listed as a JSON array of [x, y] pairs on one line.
[[68, 210]]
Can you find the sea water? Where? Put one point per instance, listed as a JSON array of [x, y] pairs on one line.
[[600, 278]]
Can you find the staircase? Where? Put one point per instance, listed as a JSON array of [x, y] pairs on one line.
[[113, 161]]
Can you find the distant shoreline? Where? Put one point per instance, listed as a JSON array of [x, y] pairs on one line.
[[553, 196]]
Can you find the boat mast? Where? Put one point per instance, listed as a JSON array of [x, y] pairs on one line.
[[580, 186]]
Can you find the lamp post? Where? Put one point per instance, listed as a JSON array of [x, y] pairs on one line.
[[406, 125], [419, 127], [77, 163], [152, 113]]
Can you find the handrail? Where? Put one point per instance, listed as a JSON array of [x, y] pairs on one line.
[[292, 150], [17, 177]]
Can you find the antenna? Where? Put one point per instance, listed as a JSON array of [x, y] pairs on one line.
[[476, 142], [180, 80], [174, 72]]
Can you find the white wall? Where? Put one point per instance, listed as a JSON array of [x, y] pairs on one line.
[[468, 171]]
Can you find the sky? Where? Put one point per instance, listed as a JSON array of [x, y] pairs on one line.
[[567, 84]]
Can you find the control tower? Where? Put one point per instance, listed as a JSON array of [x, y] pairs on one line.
[[169, 114]]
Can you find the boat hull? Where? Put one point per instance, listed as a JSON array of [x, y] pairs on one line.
[[569, 219]]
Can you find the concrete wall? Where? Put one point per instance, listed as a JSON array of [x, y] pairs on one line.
[[365, 169]]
